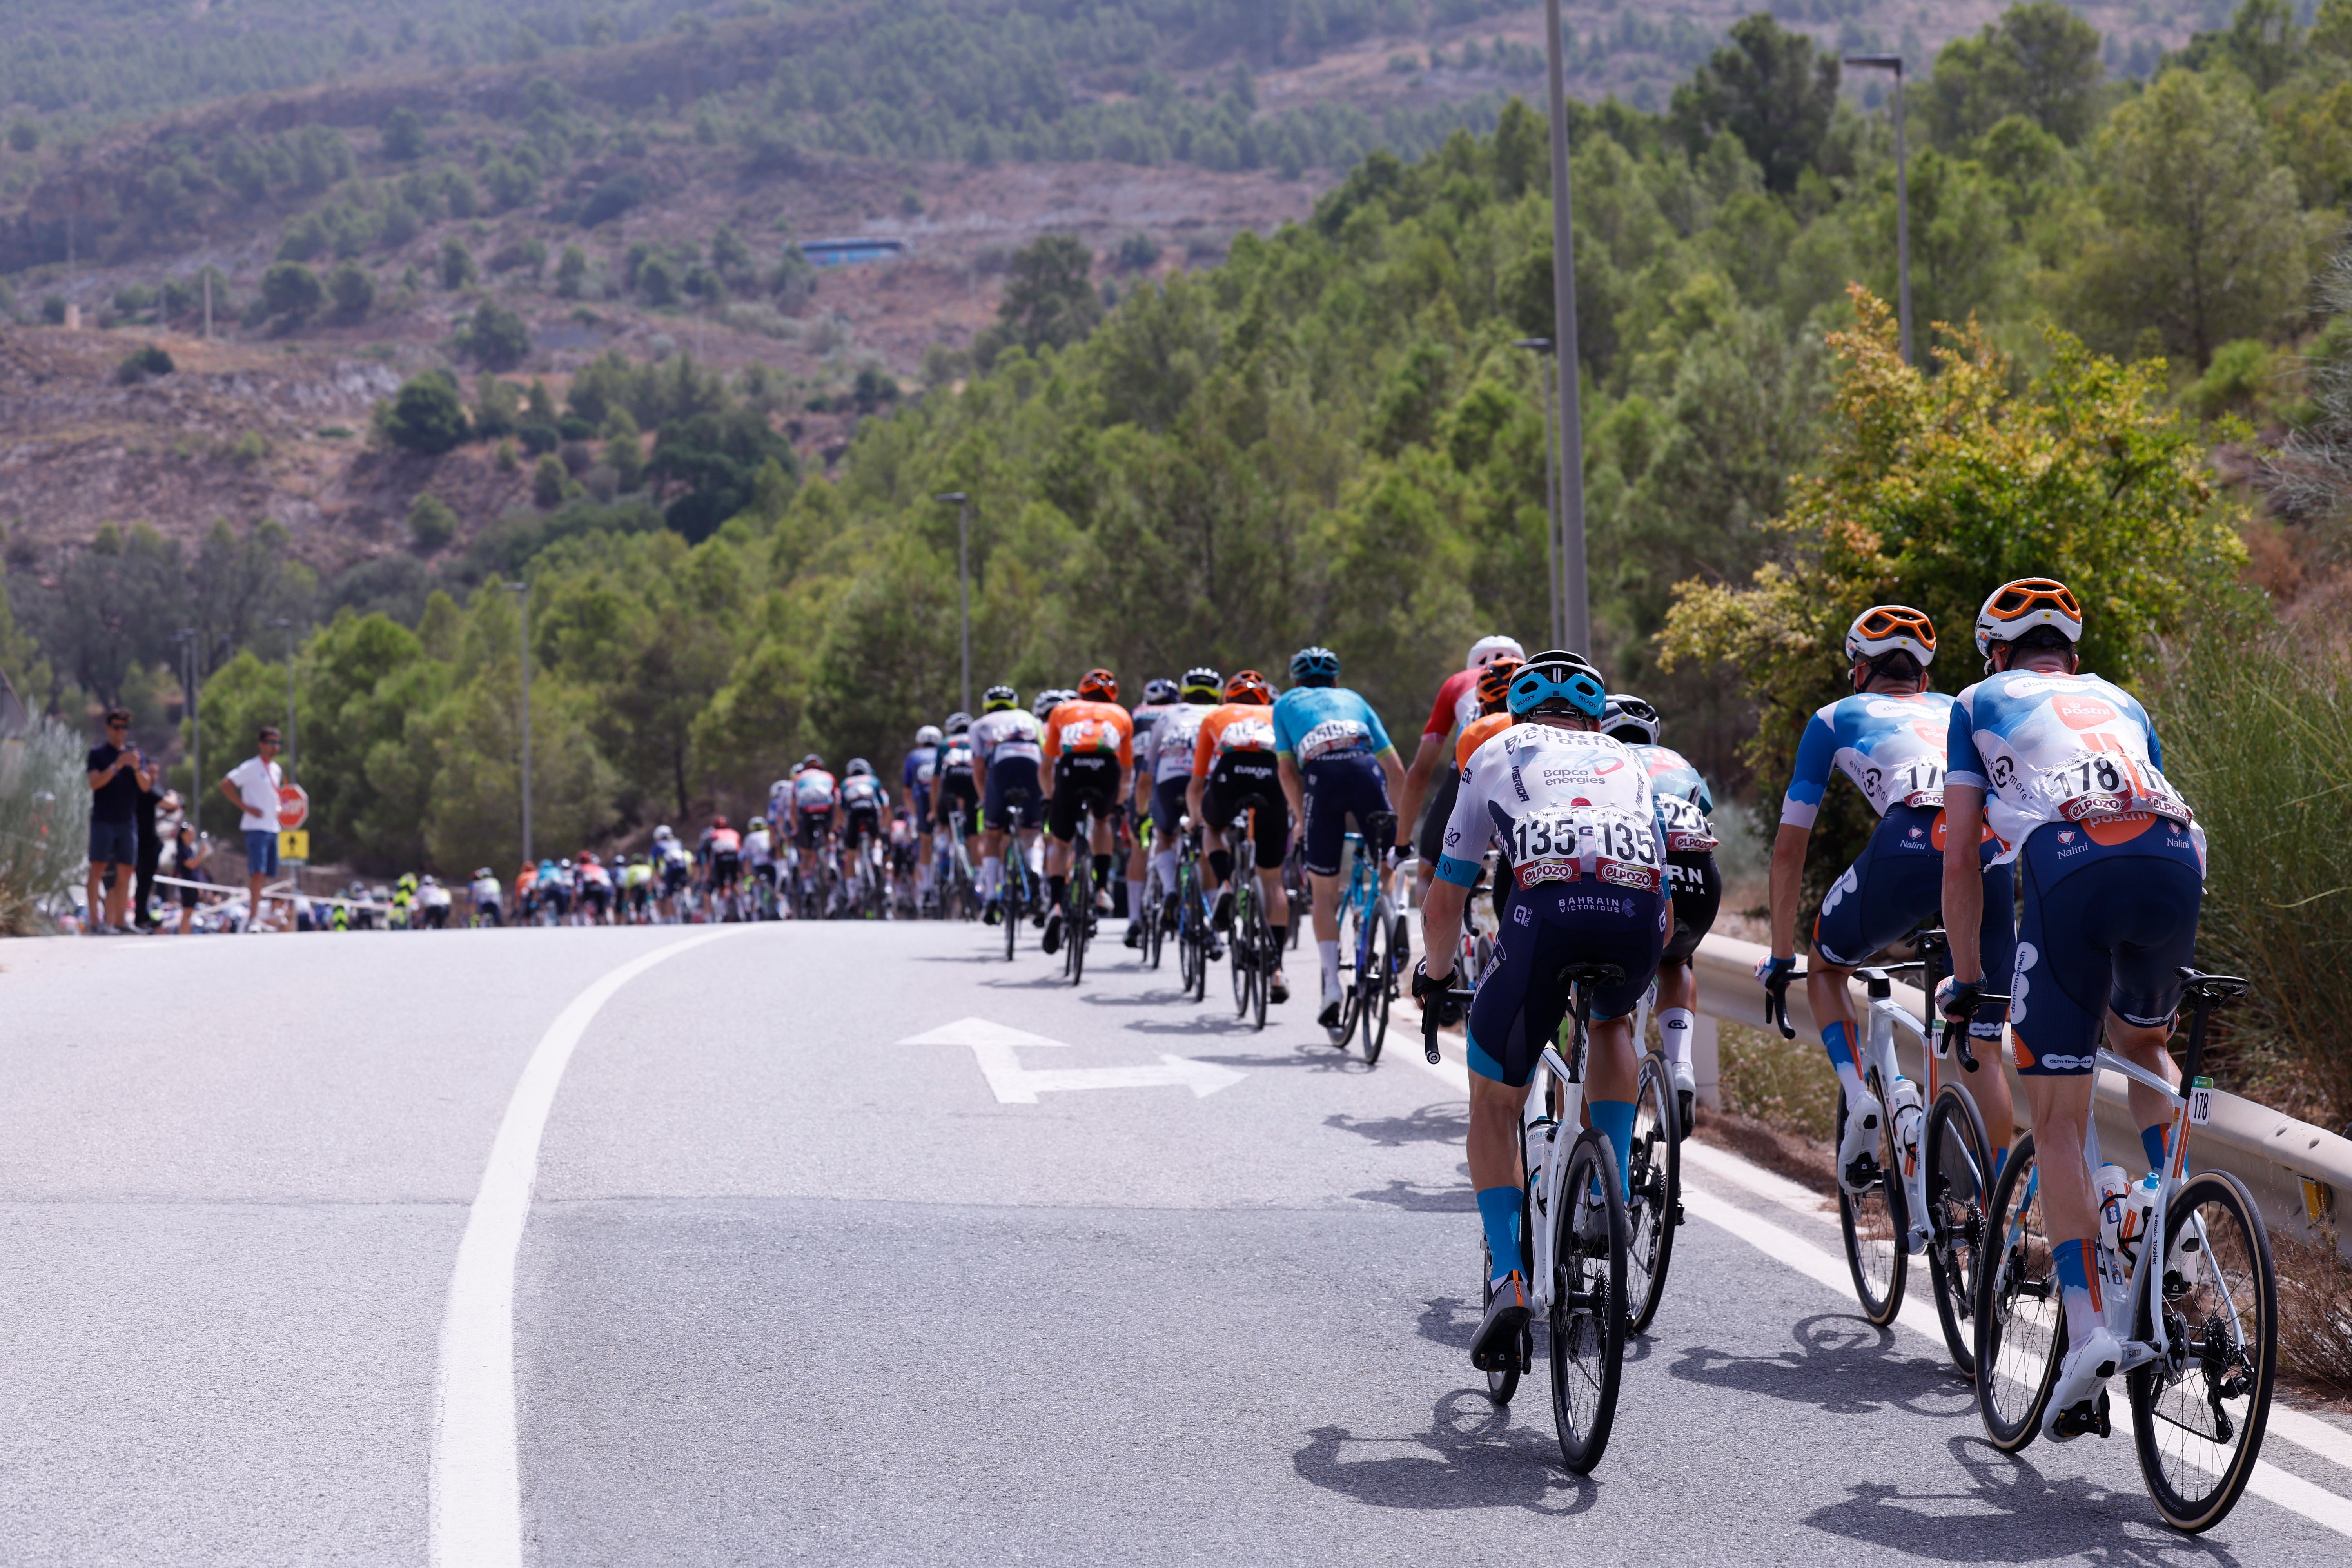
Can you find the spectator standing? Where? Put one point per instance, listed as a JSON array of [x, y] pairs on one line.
[[188, 852], [119, 775], [151, 856], [254, 783]]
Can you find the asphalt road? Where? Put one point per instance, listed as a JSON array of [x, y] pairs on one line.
[[816, 1268]]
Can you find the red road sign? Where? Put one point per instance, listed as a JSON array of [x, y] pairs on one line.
[[293, 806]]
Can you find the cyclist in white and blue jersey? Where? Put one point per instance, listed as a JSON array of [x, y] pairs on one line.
[[1692, 877], [1335, 762], [2067, 769], [1587, 855], [1889, 738]]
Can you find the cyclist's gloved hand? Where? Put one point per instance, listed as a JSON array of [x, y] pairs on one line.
[[1776, 973], [1397, 853], [1435, 994]]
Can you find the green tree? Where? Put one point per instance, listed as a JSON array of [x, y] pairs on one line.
[[431, 524], [403, 135], [425, 416], [496, 338], [354, 289], [1049, 299], [2039, 60], [24, 136], [1768, 86], [571, 273], [2204, 240], [457, 268], [547, 481], [291, 292]]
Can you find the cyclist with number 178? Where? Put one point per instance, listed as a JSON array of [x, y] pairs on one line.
[[1889, 739], [2066, 770]]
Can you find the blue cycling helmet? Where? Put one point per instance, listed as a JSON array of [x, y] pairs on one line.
[[1557, 681], [1314, 667]]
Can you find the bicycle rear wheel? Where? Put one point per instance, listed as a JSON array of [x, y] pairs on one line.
[[2199, 1416], [1654, 1197], [1959, 1178], [1587, 1319], [1875, 1237], [2021, 1325], [1080, 917], [1242, 962], [1264, 961], [1155, 899], [1012, 908]]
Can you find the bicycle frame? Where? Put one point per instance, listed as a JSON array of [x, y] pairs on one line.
[[1554, 1168], [1886, 1016]]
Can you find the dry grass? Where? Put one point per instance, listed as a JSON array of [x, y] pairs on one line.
[[2315, 1321], [1786, 1085]]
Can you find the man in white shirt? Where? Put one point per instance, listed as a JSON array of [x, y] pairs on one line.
[[253, 784]]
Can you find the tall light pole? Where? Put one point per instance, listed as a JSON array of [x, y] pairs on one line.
[[289, 627], [191, 656], [1902, 195], [522, 594], [1576, 619], [963, 580], [1551, 485]]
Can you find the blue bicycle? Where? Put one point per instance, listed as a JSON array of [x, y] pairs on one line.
[[1375, 951]]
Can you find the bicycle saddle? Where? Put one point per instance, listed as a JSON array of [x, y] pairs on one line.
[[2211, 987], [1592, 975]]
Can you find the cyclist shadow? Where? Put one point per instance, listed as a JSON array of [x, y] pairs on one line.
[[1841, 1365], [1446, 1123], [1042, 982], [1198, 1026], [2014, 1514], [1138, 999], [1414, 1198], [1471, 1457]]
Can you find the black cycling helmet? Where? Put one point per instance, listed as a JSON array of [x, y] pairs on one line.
[[1203, 686], [1557, 681], [860, 768], [1315, 666], [959, 723], [998, 699], [1629, 719], [1159, 691]]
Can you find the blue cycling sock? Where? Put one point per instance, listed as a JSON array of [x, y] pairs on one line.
[[1838, 1039], [2152, 1140], [1498, 1210], [2071, 1262], [1615, 1121]]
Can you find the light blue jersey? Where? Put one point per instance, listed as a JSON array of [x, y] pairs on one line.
[[2059, 747], [1312, 722], [1891, 747], [1672, 774]]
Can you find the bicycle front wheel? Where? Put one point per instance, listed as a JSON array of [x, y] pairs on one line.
[[1587, 1319], [2021, 1323], [1653, 1195], [1244, 962], [1374, 986], [1959, 1179], [1081, 916], [1264, 961], [1008, 899], [1154, 897], [1877, 1249], [2198, 1415]]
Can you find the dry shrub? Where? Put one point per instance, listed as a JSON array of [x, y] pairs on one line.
[[2314, 1317]]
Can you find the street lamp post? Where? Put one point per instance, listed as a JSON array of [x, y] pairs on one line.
[[1551, 484], [963, 580], [190, 657], [522, 594], [1902, 195], [289, 627], [1576, 623]]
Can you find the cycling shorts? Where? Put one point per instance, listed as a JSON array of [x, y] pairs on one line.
[[673, 876], [1167, 810], [1087, 779], [920, 801], [1239, 780], [1011, 780], [809, 828], [1896, 883], [958, 791], [726, 870], [1522, 1000], [1442, 791], [858, 824], [1697, 885], [2110, 922], [1339, 789]]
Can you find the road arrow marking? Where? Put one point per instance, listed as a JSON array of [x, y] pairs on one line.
[[996, 1048]]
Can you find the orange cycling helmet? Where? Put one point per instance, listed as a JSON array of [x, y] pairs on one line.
[[1249, 686], [1883, 628], [1099, 686], [1495, 684], [2017, 606]]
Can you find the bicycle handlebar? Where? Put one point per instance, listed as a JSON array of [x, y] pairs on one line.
[[1429, 1017]]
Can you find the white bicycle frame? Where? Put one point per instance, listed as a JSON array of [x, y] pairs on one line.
[[1553, 1169], [1886, 1016]]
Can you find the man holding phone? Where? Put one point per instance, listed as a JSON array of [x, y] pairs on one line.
[[119, 775], [253, 785]]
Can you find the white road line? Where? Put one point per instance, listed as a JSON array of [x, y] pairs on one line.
[[2287, 1489], [477, 1493]]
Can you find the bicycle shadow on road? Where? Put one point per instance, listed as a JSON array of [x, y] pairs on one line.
[[1448, 1123], [1201, 1025], [1841, 1365], [1143, 999], [1414, 1198], [1471, 1457], [2014, 1514]]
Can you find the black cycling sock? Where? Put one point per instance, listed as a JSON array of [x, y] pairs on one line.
[[1058, 888], [1102, 870], [1221, 864], [1279, 933]]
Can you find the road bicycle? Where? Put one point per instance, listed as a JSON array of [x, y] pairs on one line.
[[1078, 900], [955, 889], [1374, 949], [1296, 886], [2197, 1315], [1196, 943], [1573, 1235], [1019, 893], [1251, 941], [1148, 920], [1653, 1186], [1934, 1164]]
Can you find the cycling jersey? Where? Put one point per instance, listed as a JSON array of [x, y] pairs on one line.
[[1312, 722], [955, 758], [921, 767], [1235, 727], [1476, 733], [2061, 748], [485, 891], [1170, 745], [723, 841], [1897, 882], [814, 791], [1081, 727], [758, 849], [1148, 717], [861, 794], [1010, 733], [1892, 748], [1456, 706], [1670, 774]]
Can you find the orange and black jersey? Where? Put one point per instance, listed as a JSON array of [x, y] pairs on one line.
[[1083, 729], [1236, 727]]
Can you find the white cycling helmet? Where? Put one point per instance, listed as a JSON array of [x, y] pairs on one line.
[[1883, 628], [662, 833], [2017, 607], [928, 735], [1486, 650]]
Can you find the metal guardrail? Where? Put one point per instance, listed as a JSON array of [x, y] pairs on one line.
[[2299, 1174]]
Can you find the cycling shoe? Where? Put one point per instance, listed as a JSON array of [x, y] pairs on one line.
[[1858, 1148], [1495, 1347], [2078, 1403]]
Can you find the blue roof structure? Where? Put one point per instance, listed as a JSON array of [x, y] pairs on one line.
[[848, 252]]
